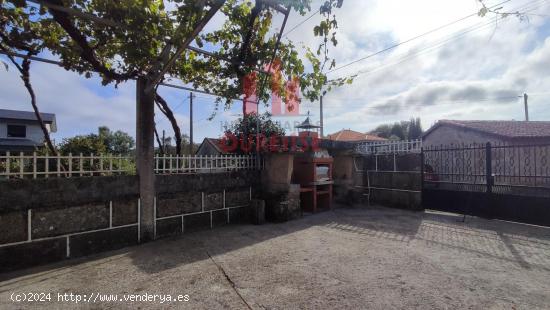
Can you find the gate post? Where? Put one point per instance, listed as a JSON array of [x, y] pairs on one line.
[[490, 211], [489, 168], [422, 176]]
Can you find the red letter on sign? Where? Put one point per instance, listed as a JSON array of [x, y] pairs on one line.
[[249, 91]]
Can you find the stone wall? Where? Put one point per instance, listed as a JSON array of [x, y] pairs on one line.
[[283, 205], [48, 220]]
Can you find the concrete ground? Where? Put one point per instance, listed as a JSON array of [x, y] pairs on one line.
[[374, 258]]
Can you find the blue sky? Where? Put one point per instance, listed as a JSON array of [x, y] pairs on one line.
[[444, 75]]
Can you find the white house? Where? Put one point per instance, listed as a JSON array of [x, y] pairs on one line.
[[20, 130]]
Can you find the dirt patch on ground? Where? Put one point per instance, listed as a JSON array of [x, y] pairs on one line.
[[348, 258]]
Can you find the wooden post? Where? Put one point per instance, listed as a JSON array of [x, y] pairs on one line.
[[163, 142], [145, 126]]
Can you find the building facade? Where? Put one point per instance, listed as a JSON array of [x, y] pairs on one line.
[[20, 130]]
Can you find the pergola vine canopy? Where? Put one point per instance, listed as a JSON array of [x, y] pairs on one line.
[[122, 40]]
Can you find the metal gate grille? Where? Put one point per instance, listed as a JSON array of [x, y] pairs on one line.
[[494, 180]]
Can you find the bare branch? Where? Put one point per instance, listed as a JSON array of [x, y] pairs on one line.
[[161, 147], [87, 52], [498, 13], [165, 109]]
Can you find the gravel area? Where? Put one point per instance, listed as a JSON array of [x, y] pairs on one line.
[[375, 258]]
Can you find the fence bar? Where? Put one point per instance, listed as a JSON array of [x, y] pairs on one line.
[[29, 165], [21, 165], [8, 164], [34, 165], [81, 164], [58, 166], [92, 164], [488, 167], [70, 164]]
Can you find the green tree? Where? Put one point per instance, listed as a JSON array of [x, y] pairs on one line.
[[397, 131], [415, 129], [141, 40], [134, 39], [117, 142], [170, 149], [246, 128], [383, 131], [185, 145], [85, 144], [104, 142]]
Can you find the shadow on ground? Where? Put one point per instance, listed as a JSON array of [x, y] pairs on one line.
[[525, 245]]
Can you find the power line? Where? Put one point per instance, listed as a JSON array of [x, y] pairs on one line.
[[406, 103], [402, 107], [430, 48], [301, 23], [59, 63], [447, 100], [410, 40]]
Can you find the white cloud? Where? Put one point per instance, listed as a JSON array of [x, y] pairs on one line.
[[431, 72], [484, 63]]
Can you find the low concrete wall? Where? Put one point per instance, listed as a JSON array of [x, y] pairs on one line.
[[400, 189], [396, 189], [52, 219]]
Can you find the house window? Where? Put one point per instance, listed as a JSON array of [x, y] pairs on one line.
[[17, 131]]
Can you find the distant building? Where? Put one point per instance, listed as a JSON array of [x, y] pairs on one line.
[[446, 132], [210, 146], [20, 130], [348, 135]]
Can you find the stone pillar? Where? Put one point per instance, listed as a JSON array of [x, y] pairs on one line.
[[282, 199]]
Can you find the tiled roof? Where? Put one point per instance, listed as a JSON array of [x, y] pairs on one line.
[[18, 142], [216, 144], [26, 115], [352, 135], [48, 118], [508, 129]]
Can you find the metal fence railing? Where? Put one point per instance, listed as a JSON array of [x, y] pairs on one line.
[[167, 164], [33, 165], [492, 165], [389, 147]]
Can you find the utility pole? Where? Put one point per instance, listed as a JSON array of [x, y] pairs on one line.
[[321, 113], [163, 142], [191, 123], [525, 97]]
